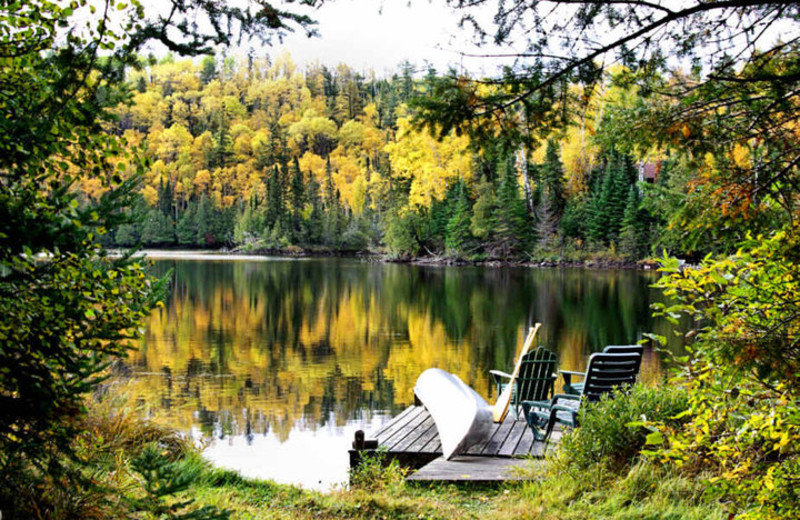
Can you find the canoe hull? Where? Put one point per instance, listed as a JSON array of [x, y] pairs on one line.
[[462, 417]]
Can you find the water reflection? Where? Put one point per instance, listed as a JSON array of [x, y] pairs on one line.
[[258, 352]]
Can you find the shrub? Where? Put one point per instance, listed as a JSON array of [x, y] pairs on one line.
[[375, 474], [613, 431]]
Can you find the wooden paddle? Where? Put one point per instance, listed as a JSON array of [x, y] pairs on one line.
[[500, 408]]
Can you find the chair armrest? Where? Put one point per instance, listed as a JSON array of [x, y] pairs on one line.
[[567, 375], [499, 373]]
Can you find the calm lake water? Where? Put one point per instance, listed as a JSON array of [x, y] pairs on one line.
[[278, 362]]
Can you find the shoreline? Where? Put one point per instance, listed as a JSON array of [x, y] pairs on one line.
[[370, 256]]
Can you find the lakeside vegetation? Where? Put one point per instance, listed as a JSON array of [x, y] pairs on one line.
[[726, 126], [266, 155]]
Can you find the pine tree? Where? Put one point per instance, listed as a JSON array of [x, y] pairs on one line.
[[596, 210], [617, 197], [157, 229], [573, 222], [547, 218], [187, 226], [609, 198], [458, 225], [631, 238], [332, 226], [552, 178], [297, 192], [275, 207], [313, 226], [166, 200], [482, 222], [510, 216], [203, 225], [222, 152]]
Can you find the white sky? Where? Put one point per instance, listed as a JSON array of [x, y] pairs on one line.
[[380, 34]]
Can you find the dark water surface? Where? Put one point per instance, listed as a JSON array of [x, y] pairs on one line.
[[278, 362]]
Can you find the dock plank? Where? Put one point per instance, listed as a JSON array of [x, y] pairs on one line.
[[477, 449], [412, 442], [412, 439], [508, 447], [493, 446], [409, 430], [399, 417], [525, 444], [427, 441], [399, 429], [466, 468]]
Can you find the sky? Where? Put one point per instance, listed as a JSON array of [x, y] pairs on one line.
[[380, 34]]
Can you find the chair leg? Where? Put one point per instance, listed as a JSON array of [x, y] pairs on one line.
[[550, 424]]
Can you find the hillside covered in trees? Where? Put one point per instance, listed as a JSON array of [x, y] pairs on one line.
[[265, 155]]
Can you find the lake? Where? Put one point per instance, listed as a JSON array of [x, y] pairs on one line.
[[277, 362]]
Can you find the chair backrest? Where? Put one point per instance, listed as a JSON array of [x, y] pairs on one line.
[[536, 379], [607, 372], [627, 349]]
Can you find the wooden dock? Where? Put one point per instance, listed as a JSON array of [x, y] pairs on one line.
[[412, 439]]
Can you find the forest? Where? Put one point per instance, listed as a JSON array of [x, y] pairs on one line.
[[624, 129], [257, 154]]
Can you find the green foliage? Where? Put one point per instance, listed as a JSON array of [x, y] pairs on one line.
[[482, 221], [398, 235], [458, 225], [157, 228], [162, 479], [743, 423], [375, 474], [510, 216], [67, 307], [613, 432], [609, 198], [633, 234], [573, 222]]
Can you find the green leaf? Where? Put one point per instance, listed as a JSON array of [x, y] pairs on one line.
[[654, 438]]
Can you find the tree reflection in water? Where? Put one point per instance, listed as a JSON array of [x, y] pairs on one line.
[[251, 347]]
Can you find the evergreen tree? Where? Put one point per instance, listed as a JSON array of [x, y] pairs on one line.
[[222, 152], [552, 178], [333, 218], [166, 199], [482, 222], [607, 205], [617, 197], [510, 216], [596, 211], [459, 223], [186, 230], [631, 239], [208, 70], [275, 207], [547, 218], [203, 224], [314, 225], [297, 200], [157, 229], [573, 223]]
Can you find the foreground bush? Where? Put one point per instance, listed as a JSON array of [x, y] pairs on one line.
[[613, 431]]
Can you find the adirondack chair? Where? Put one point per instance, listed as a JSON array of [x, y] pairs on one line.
[[577, 388], [605, 373], [535, 379]]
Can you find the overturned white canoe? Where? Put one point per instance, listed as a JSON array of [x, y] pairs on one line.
[[462, 417]]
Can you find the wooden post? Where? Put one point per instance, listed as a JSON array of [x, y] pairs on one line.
[[358, 443]]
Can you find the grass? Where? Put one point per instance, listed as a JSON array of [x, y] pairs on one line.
[[113, 440], [645, 492]]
